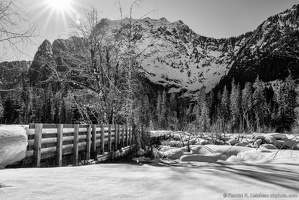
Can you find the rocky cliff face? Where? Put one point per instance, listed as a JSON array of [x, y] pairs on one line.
[[271, 51], [40, 69]]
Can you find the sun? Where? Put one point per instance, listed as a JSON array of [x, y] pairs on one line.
[[60, 5], [56, 13]]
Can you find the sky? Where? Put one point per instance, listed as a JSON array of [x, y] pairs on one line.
[[212, 18]]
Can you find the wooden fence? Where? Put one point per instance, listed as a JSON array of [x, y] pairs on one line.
[[53, 141]]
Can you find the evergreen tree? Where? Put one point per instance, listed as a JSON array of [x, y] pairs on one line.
[[285, 99], [158, 109], [259, 104], [17, 107], [291, 102], [164, 110], [211, 102], [225, 112], [68, 109], [172, 101], [247, 108], [143, 112], [57, 107], [47, 116], [11, 110], [26, 104], [26, 100], [172, 114], [218, 113], [204, 119], [63, 112], [201, 98], [37, 105], [235, 105], [1, 110], [200, 112]]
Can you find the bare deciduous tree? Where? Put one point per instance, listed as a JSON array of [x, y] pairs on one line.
[[107, 61], [15, 28]]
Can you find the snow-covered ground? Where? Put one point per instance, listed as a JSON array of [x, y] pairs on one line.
[[258, 173], [172, 180]]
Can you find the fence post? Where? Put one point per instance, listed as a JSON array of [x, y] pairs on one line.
[[94, 141], [115, 138], [102, 139], [88, 142], [109, 138], [75, 144], [37, 144], [59, 145]]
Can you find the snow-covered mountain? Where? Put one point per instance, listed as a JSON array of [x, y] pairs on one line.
[[182, 60], [177, 57]]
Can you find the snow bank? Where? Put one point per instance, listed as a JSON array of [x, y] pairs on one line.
[[13, 144], [223, 149], [229, 154], [259, 156]]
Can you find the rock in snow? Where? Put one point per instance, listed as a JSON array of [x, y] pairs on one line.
[[13, 144]]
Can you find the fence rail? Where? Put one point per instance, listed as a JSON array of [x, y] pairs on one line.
[[55, 140]]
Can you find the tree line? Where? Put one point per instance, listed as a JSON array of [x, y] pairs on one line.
[[259, 106]]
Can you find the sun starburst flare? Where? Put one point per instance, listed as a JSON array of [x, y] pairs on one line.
[[57, 12], [60, 5]]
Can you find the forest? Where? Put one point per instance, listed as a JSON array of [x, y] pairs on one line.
[[259, 106]]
